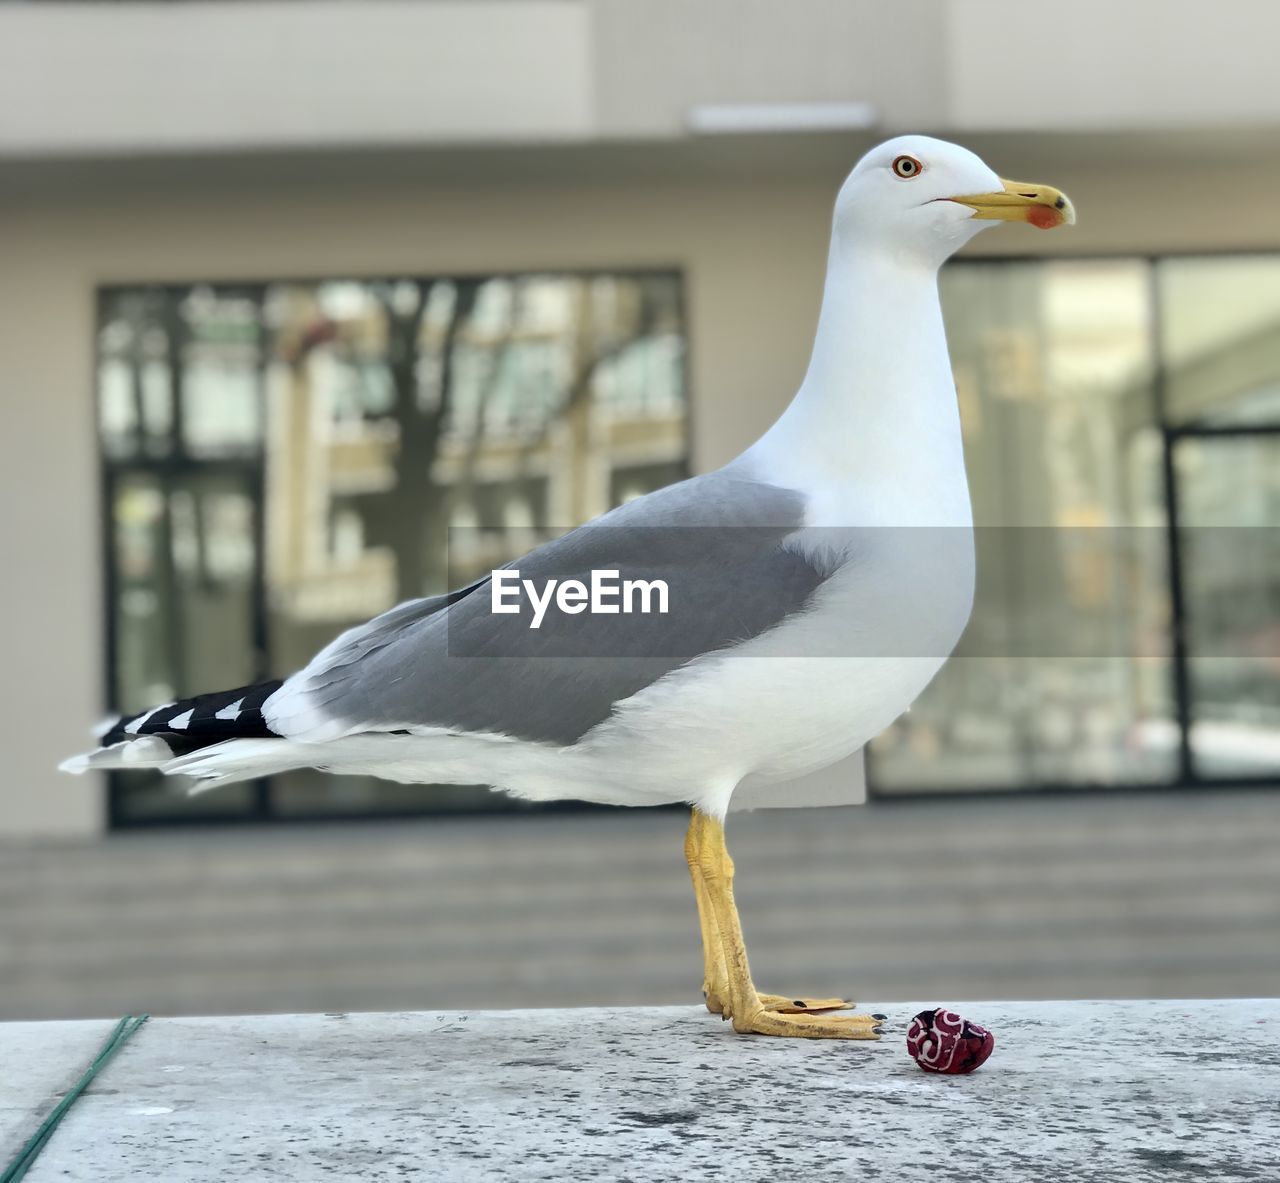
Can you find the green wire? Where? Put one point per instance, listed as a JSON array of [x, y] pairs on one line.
[[27, 1155]]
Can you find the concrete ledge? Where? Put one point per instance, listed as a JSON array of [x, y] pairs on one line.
[[1135, 1091]]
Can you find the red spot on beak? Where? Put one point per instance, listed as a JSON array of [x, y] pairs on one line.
[[1044, 217]]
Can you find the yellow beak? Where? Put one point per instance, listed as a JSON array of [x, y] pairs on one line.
[[1041, 205]]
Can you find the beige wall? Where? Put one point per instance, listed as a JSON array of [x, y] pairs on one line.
[[657, 59], [1107, 64], [204, 74], [752, 255], [50, 594], [129, 77]]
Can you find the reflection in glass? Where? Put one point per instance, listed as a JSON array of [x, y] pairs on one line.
[[1220, 339], [143, 599], [399, 409], [1054, 376], [1229, 514], [184, 564], [352, 423], [359, 420], [221, 350], [135, 396]]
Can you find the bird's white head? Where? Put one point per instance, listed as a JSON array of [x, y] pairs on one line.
[[922, 199]]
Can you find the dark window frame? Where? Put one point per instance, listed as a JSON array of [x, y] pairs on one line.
[[177, 464], [1186, 778]]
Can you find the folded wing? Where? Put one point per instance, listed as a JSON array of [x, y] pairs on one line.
[[721, 543]]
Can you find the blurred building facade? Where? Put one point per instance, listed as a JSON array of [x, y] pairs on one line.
[[277, 274]]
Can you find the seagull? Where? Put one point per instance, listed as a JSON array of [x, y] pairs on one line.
[[799, 598]]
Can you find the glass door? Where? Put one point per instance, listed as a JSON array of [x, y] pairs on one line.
[[1219, 320], [1228, 496]]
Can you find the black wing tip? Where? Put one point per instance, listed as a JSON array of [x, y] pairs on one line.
[[202, 725]]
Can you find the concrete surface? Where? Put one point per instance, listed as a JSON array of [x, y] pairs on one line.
[[1139, 1092], [1159, 896]]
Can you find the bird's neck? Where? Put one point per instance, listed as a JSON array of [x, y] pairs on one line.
[[876, 414]]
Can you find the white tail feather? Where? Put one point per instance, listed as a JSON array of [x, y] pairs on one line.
[[235, 760], [219, 764], [150, 751]]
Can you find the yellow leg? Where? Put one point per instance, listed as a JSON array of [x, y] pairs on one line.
[[714, 978], [727, 983], [714, 974]]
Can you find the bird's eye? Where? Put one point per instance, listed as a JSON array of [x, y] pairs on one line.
[[907, 167]]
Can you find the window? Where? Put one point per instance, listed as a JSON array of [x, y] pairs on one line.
[[1221, 350], [1122, 435], [283, 461]]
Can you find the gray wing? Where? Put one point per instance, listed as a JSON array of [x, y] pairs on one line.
[[717, 540]]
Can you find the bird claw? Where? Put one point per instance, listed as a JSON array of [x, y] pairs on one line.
[[808, 1026], [781, 1004], [784, 1005]]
